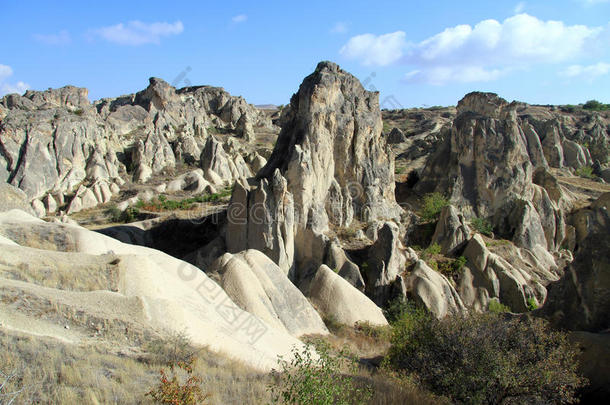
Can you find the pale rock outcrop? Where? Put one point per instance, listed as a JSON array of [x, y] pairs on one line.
[[574, 154], [38, 208], [332, 137], [386, 259], [451, 231], [257, 285], [334, 297], [434, 291], [256, 162], [490, 276], [261, 217], [50, 203], [55, 140], [13, 198], [580, 300], [219, 167], [337, 259], [330, 162], [152, 289], [486, 167]]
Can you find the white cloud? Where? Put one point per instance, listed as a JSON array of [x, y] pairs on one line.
[[461, 74], [588, 73], [519, 7], [594, 2], [339, 28], [139, 33], [239, 18], [379, 50], [61, 38], [7, 88], [5, 71], [482, 52]]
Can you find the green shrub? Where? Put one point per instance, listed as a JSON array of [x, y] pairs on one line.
[[531, 304], [497, 307], [450, 268], [586, 172], [317, 377], [399, 170], [433, 249], [113, 213], [595, 105], [432, 205], [482, 225], [400, 309], [78, 112], [487, 359], [131, 214]]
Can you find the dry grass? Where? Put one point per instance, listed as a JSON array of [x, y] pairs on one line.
[[61, 270], [52, 372]]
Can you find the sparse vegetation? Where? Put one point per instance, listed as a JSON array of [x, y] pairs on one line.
[[399, 170], [585, 172], [162, 203], [485, 358], [531, 304], [496, 307], [430, 251], [398, 309], [386, 127], [482, 225], [179, 386], [170, 349], [318, 378], [78, 112], [213, 131], [595, 105], [432, 205], [497, 242], [450, 268]]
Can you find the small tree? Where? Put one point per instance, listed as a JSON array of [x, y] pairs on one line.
[[432, 205], [317, 377]]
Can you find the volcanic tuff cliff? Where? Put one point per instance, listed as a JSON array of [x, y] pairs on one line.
[[316, 229]]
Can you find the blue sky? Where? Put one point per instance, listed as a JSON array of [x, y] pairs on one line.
[[415, 53]]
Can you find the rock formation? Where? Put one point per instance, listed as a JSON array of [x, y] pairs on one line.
[[55, 141], [102, 278], [330, 165], [257, 285], [580, 300]]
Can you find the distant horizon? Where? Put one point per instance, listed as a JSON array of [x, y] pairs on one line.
[[537, 52]]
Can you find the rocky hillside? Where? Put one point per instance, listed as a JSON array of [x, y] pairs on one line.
[[191, 210]]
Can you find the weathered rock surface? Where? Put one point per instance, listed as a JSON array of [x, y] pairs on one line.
[[332, 138], [387, 258], [134, 285], [54, 141], [257, 285], [451, 231], [580, 300], [433, 290], [13, 198], [334, 297], [330, 163], [488, 275]]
